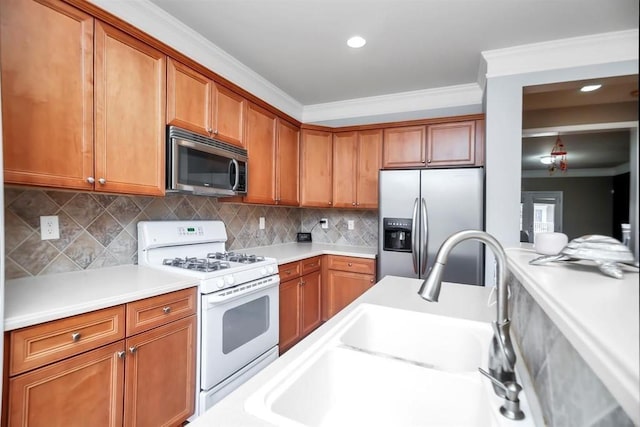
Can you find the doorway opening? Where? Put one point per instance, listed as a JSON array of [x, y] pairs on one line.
[[540, 211]]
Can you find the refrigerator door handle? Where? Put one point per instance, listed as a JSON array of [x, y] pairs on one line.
[[414, 227], [424, 238]]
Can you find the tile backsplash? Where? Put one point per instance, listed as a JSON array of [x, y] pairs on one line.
[[99, 230], [569, 392]]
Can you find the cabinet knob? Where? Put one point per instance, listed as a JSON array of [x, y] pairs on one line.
[[90, 180], [349, 264], [133, 349], [209, 130], [288, 272], [370, 280], [102, 181], [215, 132], [303, 283], [75, 336], [121, 354], [353, 203], [166, 310]]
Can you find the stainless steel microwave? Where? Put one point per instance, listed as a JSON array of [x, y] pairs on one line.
[[204, 166]]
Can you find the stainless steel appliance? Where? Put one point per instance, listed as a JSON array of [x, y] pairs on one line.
[[200, 165], [238, 307], [418, 210]]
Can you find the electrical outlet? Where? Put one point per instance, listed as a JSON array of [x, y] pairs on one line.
[[261, 223], [351, 224], [324, 223], [49, 227]]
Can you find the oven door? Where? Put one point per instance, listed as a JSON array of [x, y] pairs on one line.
[[238, 325]]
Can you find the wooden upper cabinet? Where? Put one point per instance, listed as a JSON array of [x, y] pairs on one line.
[[288, 164], [46, 50], [404, 147], [316, 170], [197, 103], [261, 144], [228, 120], [451, 144], [130, 100], [189, 99], [357, 158]]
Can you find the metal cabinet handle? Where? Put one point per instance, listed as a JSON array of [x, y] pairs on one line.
[[90, 180], [166, 310], [121, 354], [133, 349], [102, 181], [75, 336]]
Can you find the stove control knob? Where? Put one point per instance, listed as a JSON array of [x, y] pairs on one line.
[[220, 283], [229, 280], [270, 269], [263, 271]]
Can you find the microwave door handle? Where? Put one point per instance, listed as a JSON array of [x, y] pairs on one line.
[[237, 177]]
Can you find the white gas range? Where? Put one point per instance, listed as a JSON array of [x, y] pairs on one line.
[[239, 301]]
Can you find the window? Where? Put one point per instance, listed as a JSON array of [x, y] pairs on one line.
[[540, 211]]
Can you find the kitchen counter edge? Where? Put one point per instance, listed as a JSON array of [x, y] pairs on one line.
[[290, 252]]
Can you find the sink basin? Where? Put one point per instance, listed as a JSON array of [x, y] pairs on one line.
[[436, 341], [380, 366], [343, 387]]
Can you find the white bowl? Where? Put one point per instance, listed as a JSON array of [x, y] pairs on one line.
[[549, 243]]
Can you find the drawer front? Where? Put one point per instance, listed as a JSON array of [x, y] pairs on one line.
[[49, 342], [311, 264], [353, 264], [290, 270], [155, 311]]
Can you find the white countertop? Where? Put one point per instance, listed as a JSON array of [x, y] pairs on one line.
[[462, 301], [289, 252], [599, 315], [32, 300]]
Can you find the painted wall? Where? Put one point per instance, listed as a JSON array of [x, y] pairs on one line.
[[569, 392], [100, 230], [587, 203]]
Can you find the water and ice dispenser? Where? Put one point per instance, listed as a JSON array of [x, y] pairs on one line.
[[397, 234]]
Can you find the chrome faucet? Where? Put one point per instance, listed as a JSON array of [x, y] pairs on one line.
[[502, 357]]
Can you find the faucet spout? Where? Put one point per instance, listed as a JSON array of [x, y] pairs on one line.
[[502, 356]]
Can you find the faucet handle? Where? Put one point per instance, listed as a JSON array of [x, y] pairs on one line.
[[511, 407]]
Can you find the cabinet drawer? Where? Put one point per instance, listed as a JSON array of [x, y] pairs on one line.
[[354, 264], [290, 270], [311, 264], [155, 311], [52, 341]]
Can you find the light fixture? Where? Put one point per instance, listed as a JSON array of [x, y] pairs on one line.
[[557, 159], [590, 88], [356, 42]]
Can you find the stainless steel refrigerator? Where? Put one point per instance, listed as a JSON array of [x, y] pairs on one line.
[[418, 210]]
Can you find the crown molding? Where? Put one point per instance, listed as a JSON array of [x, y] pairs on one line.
[[159, 24], [578, 173], [438, 99], [563, 53]]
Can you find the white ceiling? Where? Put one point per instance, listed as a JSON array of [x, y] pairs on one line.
[[299, 45]]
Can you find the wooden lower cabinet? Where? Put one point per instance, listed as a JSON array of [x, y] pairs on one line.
[[300, 301], [85, 390], [160, 375], [346, 279]]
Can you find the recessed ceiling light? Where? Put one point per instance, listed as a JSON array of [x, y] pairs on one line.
[[356, 42], [590, 88]]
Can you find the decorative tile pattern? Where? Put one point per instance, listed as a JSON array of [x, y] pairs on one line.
[[100, 230], [570, 393]]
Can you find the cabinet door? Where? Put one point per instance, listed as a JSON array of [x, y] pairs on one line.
[[130, 114], [288, 164], [345, 151], [316, 168], [451, 144], [311, 286], [46, 50], [343, 287], [261, 143], [188, 98], [229, 111], [160, 375], [369, 164], [289, 313], [85, 390], [404, 147]]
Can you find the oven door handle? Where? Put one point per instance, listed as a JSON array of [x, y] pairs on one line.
[[227, 295]]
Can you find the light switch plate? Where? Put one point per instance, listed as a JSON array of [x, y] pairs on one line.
[[261, 223], [324, 223], [351, 224], [49, 227]]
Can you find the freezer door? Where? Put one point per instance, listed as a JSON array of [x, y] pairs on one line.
[[454, 200], [398, 192]]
